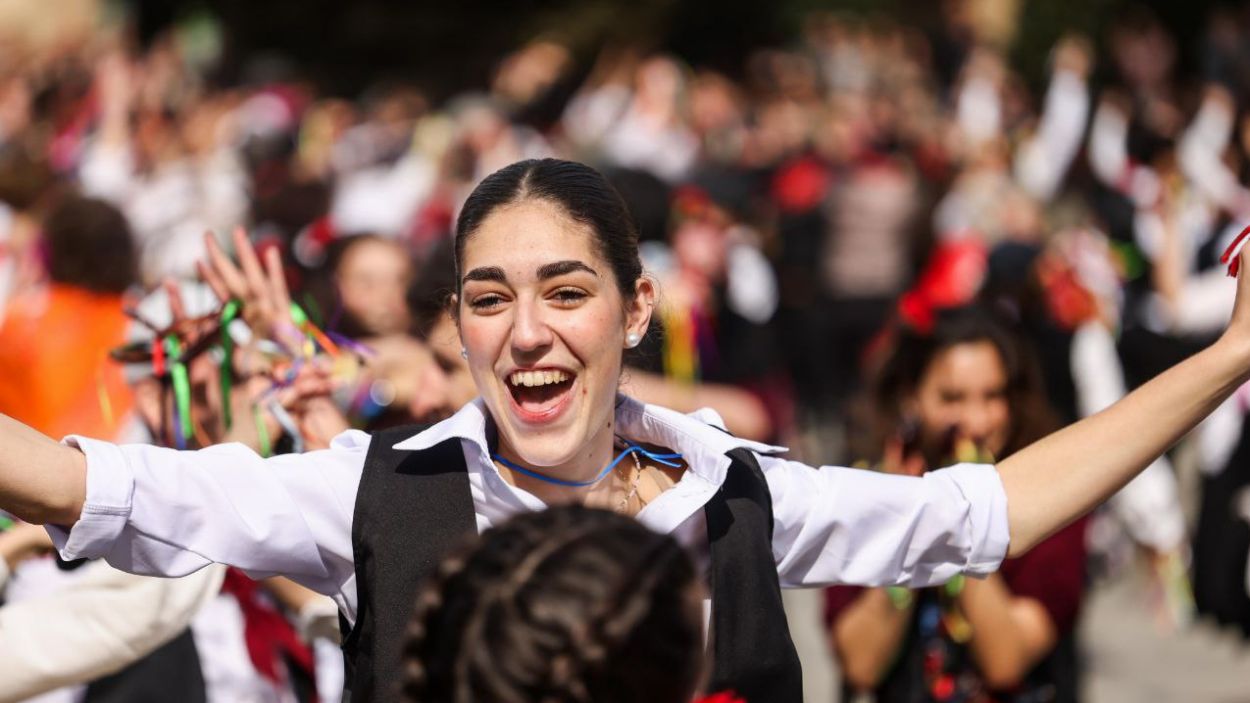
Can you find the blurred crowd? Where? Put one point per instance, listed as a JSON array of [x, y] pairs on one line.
[[879, 245]]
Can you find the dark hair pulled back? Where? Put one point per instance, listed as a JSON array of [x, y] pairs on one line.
[[562, 605], [577, 189]]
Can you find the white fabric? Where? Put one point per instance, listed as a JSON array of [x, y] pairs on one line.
[[382, 199], [979, 110], [1200, 153], [751, 285], [1043, 159], [1108, 145], [1219, 434], [100, 622], [159, 511], [229, 675], [171, 207]]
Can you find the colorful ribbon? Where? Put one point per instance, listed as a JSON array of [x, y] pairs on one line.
[[182, 389], [1231, 254], [228, 313]]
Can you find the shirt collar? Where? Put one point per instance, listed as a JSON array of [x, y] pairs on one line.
[[699, 437]]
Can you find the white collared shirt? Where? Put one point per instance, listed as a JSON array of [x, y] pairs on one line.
[[153, 510]]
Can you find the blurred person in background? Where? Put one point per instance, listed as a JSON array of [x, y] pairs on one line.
[[93, 633], [371, 275], [54, 366], [166, 155], [965, 388]]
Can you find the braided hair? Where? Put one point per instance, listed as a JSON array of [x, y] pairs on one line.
[[566, 605]]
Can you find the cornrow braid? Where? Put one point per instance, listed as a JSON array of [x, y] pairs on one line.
[[565, 605]]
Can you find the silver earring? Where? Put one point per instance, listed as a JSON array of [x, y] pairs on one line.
[[632, 339], [464, 353]]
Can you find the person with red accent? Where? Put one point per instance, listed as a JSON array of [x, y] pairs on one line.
[[963, 388]]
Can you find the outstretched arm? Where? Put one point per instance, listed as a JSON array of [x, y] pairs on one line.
[[1057, 479], [41, 481]]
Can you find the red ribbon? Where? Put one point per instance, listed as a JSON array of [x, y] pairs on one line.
[[1234, 264], [267, 633], [158, 358]]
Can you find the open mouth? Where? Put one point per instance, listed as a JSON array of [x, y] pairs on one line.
[[539, 395]]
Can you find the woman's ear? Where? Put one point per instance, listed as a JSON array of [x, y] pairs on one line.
[[638, 311], [452, 307]]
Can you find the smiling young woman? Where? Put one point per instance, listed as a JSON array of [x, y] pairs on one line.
[[550, 295]]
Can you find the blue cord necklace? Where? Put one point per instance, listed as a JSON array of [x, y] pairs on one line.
[[630, 448]]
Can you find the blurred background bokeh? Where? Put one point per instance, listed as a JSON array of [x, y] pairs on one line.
[[818, 184]]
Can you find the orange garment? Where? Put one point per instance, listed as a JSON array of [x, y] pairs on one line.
[[55, 374]]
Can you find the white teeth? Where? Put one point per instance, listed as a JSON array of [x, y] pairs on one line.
[[530, 379]]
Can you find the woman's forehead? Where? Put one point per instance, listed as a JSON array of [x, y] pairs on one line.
[[527, 235]]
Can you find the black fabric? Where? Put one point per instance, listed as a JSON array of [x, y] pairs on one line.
[[752, 653], [411, 507], [1222, 540], [171, 673]]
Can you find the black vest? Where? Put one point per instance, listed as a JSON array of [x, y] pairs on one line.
[[412, 506]]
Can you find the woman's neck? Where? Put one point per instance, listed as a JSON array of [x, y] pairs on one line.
[[585, 465]]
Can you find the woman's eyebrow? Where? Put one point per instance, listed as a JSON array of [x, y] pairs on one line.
[[486, 273], [559, 268]]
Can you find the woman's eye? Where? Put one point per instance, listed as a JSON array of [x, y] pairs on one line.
[[569, 296], [485, 302]]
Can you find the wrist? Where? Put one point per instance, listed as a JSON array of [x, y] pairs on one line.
[[1234, 349]]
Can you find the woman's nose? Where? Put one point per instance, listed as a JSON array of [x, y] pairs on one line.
[[530, 331]]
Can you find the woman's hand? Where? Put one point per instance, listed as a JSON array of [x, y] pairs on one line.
[[306, 400], [261, 290], [899, 461]]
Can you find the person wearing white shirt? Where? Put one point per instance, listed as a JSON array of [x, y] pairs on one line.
[[94, 624], [549, 294]]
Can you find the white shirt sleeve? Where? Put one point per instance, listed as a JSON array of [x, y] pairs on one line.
[[103, 622], [157, 511], [1043, 159], [107, 170], [837, 525]]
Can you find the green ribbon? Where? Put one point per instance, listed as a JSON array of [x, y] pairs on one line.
[[262, 432], [182, 385], [228, 314]]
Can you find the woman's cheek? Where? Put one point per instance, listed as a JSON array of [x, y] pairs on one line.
[[483, 335], [589, 336]]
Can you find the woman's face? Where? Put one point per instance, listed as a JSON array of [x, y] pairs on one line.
[[372, 279], [964, 388], [544, 325], [447, 388]]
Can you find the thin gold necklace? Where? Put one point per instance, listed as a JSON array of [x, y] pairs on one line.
[[633, 487]]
